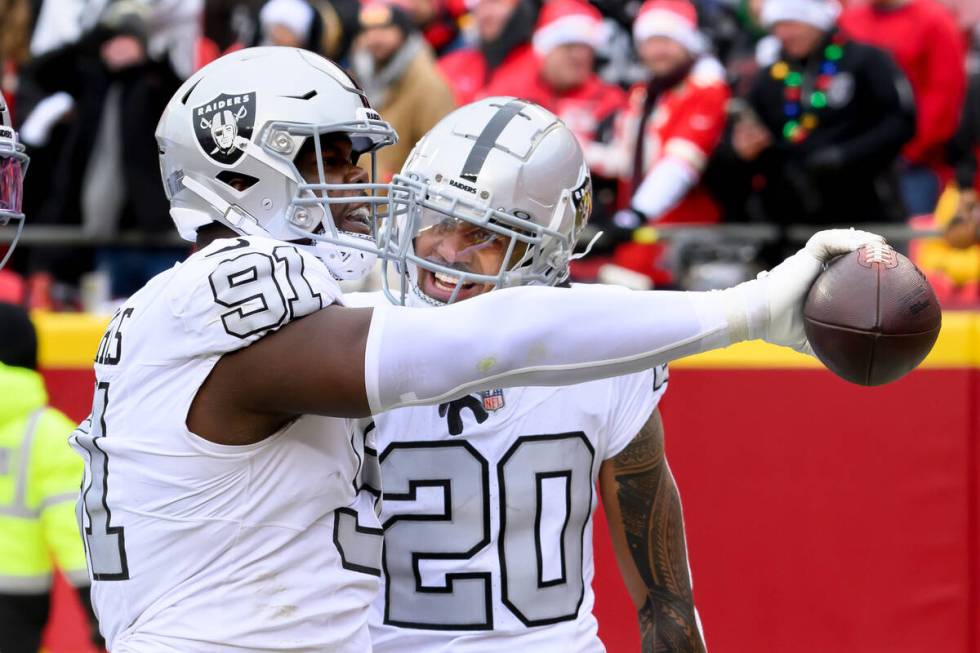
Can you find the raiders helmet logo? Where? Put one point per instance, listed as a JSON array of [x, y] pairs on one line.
[[224, 126], [582, 201]]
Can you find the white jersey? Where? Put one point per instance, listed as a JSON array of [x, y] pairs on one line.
[[199, 547], [487, 513]]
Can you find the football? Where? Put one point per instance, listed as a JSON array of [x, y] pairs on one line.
[[871, 316]]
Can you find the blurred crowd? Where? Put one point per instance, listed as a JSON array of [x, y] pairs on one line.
[[772, 112]]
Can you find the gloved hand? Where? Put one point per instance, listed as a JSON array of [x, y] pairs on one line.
[[616, 231], [787, 284], [624, 222]]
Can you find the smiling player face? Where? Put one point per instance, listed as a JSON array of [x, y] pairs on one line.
[[462, 246], [339, 167]]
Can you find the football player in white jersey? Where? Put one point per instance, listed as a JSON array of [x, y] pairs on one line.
[[13, 167], [488, 499], [220, 506]]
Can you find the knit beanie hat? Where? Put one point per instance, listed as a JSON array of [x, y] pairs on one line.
[[674, 19], [18, 346], [563, 22], [386, 14], [295, 15], [821, 14], [126, 17]]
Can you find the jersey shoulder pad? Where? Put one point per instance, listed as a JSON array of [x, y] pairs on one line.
[[236, 290]]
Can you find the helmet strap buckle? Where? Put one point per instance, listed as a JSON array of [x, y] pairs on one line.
[[241, 221]]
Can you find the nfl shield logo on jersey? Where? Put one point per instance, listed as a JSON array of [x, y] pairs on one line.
[[493, 399], [224, 126]]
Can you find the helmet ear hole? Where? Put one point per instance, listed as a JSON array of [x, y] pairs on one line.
[[237, 180]]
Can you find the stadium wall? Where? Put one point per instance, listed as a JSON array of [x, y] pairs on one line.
[[820, 516]]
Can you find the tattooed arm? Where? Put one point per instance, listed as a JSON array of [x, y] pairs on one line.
[[643, 509]]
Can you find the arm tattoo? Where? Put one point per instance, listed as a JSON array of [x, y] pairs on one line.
[[654, 527]]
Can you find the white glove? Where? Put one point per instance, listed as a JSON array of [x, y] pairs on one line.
[[786, 285]]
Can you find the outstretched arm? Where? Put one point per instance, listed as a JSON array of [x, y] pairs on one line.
[[643, 509], [352, 362], [546, 336]]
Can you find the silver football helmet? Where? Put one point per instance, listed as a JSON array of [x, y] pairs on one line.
[[228, 144], [515, 174], [13, 167]]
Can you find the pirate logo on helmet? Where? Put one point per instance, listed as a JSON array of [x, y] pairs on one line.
[[582, 201], [224, 126]]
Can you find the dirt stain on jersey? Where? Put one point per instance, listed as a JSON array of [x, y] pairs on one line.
[[487, 363], [283, 611]]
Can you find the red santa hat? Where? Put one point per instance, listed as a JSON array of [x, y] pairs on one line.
[[567, 21], [821, 14], [674, 19]]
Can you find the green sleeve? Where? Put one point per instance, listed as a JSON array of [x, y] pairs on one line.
[[56, 475]]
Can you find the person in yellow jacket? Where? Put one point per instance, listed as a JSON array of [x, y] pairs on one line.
[[39, 481]]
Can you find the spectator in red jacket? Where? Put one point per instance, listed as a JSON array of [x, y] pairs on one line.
[[679, 114], [923, 38], [564, 81], [663, 140], [502, 55]]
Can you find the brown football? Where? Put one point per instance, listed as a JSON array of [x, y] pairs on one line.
[[871, 316]]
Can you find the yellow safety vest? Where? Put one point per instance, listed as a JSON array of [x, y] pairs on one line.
[[39, 480]]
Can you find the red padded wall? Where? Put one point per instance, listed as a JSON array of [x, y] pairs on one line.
[[825, 517], [820, 516]]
